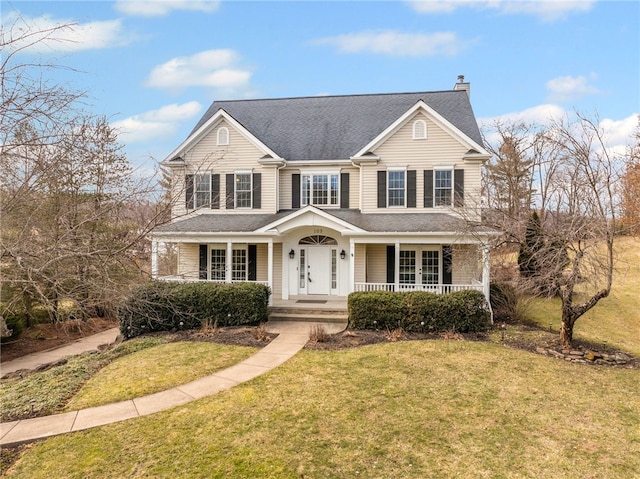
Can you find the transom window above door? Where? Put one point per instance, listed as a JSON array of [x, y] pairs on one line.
[[318, 240], [320, 189]]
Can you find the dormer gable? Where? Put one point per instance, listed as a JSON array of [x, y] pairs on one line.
[[419, 129], [222, 135]]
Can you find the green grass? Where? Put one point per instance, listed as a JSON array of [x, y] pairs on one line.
[[47, 392], [156, 369], [430, 409], [615, 319]]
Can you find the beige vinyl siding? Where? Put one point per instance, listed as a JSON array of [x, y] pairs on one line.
[[262, 258], [241, 154], [188, 260], [277, 271], [178, 194], [466, 264], [285, 188], [401, 150], [376, 263], [360, 263], [354, 186]]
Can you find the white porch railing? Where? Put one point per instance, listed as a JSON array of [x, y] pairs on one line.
[[181, 279], [431, 288]]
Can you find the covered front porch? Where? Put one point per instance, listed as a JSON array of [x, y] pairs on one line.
[[311, 256]]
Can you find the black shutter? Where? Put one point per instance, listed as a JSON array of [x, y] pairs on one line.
[[257, 190], [188, 182], [231, 191], [391, 264], [458, 187], [411, 188], [215, 192], [252, 270], [344, 190], [428, 188], [447, 265], [382, 189], [295, 190], [203, 262]]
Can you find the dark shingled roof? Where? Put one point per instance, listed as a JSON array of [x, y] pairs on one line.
[[374, 223], [337, 127]]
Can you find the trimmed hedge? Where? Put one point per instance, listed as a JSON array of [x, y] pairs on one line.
[[462, 311], [162, 306]]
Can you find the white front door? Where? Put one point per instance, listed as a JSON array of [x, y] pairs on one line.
[[318, 269]]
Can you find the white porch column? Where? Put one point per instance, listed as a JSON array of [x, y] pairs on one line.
[[486, 268], [227, 270], [270, 269], [352, 265], [154, 259], [396, 272]]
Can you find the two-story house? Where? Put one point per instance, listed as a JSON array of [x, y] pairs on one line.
[[323, 196]]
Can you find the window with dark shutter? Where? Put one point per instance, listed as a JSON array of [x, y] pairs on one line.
[[458, 188], [252, 269], [215, 192], [428, 188], [230, 193], [295, 190], [202, 270], [382, 189], [447, 265], [411, 188], [344, 190], [257, 190], [188, 181], [391, 264]]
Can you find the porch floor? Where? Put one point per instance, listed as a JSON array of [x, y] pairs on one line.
[[312, 302]]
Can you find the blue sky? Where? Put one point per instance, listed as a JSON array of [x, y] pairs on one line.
[[154, 67]]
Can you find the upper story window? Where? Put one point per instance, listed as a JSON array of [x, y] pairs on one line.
[[202, 190], [320, 189], [419, 130], [396, 188], [243, 189], [223, 136], [443, 187]]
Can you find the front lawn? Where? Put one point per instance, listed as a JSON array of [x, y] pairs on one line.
[[418, 409]]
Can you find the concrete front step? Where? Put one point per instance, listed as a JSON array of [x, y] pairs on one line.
[[312, 315], [312, 318]]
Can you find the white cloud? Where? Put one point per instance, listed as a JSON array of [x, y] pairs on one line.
[[397, 44], [212, 68], [567, 88], [545, 10], [619, 132], [45, 34], [157, 8], [155, 123]]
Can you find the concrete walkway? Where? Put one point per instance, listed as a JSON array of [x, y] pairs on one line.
[[292, 336], [88, 343]]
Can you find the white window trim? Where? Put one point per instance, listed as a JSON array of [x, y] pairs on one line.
[[396, 169], [444, 168], [196, 205], [316, 172], [218, 139], [235, 190], [422, 131]]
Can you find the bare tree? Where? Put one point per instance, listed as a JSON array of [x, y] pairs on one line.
[[574, 176], [70, 203]]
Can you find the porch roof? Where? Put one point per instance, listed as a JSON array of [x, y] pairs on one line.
[[372, 222]]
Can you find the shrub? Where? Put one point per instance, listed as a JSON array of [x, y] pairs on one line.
[[161, 306], [463, 311], [375, 310], [504, 302]]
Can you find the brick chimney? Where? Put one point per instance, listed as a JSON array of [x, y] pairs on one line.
[[462, 85]]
